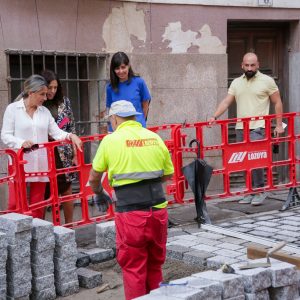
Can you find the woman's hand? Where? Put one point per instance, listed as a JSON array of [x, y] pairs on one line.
[[27, 144], [76, 141]]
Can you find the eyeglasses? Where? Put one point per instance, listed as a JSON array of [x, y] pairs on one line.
[[32, 148]]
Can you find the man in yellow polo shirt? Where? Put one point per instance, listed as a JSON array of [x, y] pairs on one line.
[[253, 92], [137, 162]]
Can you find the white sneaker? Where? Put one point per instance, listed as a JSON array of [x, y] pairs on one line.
[[259, 199], [247, 199]]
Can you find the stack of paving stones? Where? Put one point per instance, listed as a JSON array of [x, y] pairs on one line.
[[42, 265], [278, 282], [18, 269], [65, 256], [3, 258]]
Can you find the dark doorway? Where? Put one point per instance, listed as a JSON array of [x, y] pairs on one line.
[[268, 41]]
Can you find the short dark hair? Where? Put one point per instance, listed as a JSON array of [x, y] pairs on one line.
[[117, 60], [50, 76]]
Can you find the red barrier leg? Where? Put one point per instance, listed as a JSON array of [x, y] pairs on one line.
[[11, 191], [36, 194]]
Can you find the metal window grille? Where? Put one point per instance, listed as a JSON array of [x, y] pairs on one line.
[[82, 77]]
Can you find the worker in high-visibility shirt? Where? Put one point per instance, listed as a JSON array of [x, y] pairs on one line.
[[137, 162]]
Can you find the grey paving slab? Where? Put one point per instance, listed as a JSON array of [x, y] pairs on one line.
[[261, 295], [288, 239], [261, 233], [289, 222], [228, 253], [63, 235], [184, 243], [244, 221], [265, 218], [89, 279], [230, 246], [98, 255], [286, 292], [219, 260], [213, 289], [249, 225], [106, 235], [202, 247], [290, 233], [83, 260], [267, 223], [232, 284], [196, 258], [176, 251], [210, 235], [12, 223], [232, 240]]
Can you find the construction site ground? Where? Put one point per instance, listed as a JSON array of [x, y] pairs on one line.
[[224, 214]]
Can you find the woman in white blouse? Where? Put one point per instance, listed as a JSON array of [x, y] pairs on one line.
[[25, 123]]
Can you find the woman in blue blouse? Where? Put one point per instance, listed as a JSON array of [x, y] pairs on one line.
[[126, 85]]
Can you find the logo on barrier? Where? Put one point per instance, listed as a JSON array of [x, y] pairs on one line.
[[238, 157]]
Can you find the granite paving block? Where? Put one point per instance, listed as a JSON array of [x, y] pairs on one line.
[[16, 253], [27, 297], [2, 280], [175, 232], [204, 241], [41, 229], [154, 297], [267, 224], [212, 289], [63, 235], [290, 233], [282, 273], [289, 227], [19, 290], [254, 280], [3, 240], [196, 258], [285, 238], [42, 270], [261, 233], [176, 251], [289, 292], [83, 260], [67, 289], [228, 253], [106, 235], [232, 284], [230, 246], [232, 240], [3, 254], [62, 265], [243, 221], [20, 277], [42, 258], [225, 224], [3, 295], [219, 260], [261, 295], [240, 229], [188, 237], [43, 244], [290, 222], [180, 292], [12, 223], [99, 255], [65, 276], [13, 268], [202, 247], [264, 218], [210, 235], [240, 297], [20, 238], [171, 239], [184, 243], [248, 225], [193, 230], [66, 250], [47, 294], [42, 283], [89, 279]]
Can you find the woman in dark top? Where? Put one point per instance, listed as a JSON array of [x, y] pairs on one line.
[[65, 156]]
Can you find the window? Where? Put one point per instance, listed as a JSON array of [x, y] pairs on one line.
[[82, 77]]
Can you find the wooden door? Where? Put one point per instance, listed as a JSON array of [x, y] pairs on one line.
[[265, 41]]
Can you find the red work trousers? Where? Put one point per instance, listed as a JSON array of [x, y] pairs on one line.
[[141, 238]]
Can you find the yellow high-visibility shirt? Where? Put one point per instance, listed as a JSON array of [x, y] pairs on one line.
[[131, 154]]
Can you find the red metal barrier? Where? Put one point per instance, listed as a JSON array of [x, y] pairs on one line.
[[12, 180], [226, 157]]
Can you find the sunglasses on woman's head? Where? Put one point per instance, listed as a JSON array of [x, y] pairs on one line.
[[32, 148]]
